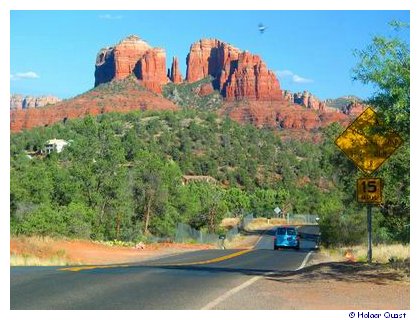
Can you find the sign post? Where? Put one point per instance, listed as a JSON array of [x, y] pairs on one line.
[[369, 223], [368, 143]]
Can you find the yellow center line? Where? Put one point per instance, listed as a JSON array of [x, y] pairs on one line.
[[222, 258], [214, 260], [75, 269]]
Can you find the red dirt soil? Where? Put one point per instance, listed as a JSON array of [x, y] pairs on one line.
[[87, 252]]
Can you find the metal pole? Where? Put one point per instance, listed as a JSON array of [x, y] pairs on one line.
[[369, 222]]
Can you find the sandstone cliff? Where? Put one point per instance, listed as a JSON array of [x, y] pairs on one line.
[[132, 56], [237, 74]]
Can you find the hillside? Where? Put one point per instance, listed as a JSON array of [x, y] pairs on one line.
[[116, 163], [119, 95], [128, 175]]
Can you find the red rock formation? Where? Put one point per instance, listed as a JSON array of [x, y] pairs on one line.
[[309, 101], [132, 55], [210, 57], [175, 75], [280, 115], [252, 80], [151, 69], [238, 75]]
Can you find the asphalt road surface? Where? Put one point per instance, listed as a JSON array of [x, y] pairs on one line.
[[194, 280]]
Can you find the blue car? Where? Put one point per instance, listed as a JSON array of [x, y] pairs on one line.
[[287, 237]]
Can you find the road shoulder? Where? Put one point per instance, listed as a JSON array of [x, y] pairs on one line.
[[327, 285]]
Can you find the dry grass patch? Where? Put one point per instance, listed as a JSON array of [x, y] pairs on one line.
[[36, 251], [264, 223], [381, 253], [230, 222], [29, 260]]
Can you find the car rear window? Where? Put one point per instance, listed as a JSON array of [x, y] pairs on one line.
[[291, 231], [281, 231]]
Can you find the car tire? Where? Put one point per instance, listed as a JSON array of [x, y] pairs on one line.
[[275, 247], [297, 247]]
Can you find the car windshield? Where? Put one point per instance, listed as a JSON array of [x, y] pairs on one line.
[[291, 231], [281, 231]]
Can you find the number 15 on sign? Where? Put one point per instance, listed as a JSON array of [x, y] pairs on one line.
[[369, 190]]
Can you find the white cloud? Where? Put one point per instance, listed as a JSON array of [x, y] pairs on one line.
[[299, 79], [24, 75], [293, 76], [284, 73], [110, 17]]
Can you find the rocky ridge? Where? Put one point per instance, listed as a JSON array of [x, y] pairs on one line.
[[117, 96], [21, 102]]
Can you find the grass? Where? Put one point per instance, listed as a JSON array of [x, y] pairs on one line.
[[381, 253], [59, 259], [37, 251]]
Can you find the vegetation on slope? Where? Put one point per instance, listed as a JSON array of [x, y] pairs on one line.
[[121, 177], [188, 95]]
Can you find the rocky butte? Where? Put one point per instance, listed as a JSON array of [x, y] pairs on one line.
[[237, 74], [132, 55]]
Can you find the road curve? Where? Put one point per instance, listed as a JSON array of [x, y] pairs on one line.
[[192, 280]]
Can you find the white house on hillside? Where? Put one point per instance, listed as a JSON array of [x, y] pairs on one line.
[[56, 145]]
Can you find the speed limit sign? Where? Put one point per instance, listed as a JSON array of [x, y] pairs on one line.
[[369, 190]]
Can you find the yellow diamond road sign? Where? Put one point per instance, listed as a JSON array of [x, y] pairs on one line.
[[367, 142]]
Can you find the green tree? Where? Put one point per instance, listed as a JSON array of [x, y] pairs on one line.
[[385, 63], [212, 207], [237, 201]]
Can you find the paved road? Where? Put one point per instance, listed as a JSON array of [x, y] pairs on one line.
[[195, 280]]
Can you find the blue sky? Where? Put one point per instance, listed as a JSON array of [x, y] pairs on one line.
[[53, 52]]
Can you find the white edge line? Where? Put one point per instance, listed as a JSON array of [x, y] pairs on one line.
[[261, 236], [305, 261], [229, 293], [259, 240]]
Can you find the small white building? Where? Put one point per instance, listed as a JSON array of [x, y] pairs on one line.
[[56, 145]]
